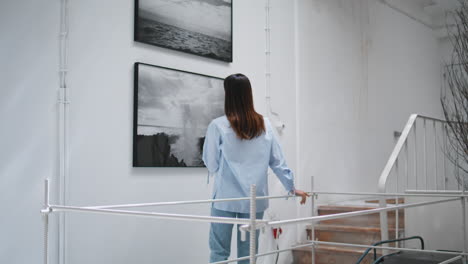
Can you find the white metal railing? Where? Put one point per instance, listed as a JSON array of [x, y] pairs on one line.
[[252, 224], [427, 159]]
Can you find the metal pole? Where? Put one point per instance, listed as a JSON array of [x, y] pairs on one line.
[[63, 126], [444, 137], [135, 205], [415, 155], [397, 172], [383, 221], [196, 218], [457, 172], [253, 228], [406, 164], [465, 239], [397, 223], [312, 227], [425, 152], [435, 154], [45, 218]]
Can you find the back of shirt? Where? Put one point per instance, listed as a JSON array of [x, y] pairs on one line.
[[239, 163]]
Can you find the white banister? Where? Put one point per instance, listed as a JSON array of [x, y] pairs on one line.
[[253, 224], [386, 173], [396, 151], [392, 164]]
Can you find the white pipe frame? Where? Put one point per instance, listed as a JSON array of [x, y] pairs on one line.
[[45, 216], [136, 205], [251, 224]]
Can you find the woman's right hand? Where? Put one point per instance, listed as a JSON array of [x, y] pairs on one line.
[[303, 195]]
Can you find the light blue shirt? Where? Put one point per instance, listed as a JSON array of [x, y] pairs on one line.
[[237, 164]]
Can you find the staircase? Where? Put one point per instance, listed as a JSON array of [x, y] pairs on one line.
[[363, 229]]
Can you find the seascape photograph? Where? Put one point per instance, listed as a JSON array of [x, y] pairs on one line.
[[172, 110], [200, 27]]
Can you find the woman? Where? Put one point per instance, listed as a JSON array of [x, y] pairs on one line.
[[238, 148]]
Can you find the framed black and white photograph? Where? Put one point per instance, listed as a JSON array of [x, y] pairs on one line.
[[200, 27], [172, 110]]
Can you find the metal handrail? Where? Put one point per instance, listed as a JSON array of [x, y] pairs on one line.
[[398, 147], [392, 162], [386, 242], [136, 205], [396, 152], [398, 240]]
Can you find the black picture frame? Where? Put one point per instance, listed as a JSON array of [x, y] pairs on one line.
[[207, 54], [164, 140]]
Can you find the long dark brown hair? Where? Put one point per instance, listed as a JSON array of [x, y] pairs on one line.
[[239, 107]]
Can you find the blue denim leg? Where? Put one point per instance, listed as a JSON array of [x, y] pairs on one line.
[[220, 237], [243, 246]]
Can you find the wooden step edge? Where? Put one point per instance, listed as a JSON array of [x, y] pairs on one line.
[[351, 229], [335, 249], [339, 211], [346, 208], [389, 201]]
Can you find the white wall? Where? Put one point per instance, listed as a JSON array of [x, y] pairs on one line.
[[442, 228], [359, 77], [404, 78], [28, 82], [330, 69], [364, 68]]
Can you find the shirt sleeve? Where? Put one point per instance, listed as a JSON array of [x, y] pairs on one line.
[[278, 165], [212, 148]]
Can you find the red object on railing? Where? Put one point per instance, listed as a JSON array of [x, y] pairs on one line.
[[277, 232]]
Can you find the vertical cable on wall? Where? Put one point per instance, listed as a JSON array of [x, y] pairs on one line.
[[63, 102], [277, 123]]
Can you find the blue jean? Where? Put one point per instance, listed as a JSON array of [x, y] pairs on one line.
[[221, 234]]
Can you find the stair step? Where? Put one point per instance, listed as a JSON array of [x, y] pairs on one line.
[[331, 254], [350, 234], [389, 201], [347, 228], [370, 220]]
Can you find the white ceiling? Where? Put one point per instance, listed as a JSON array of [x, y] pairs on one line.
[[437, 7], [431, 13]]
